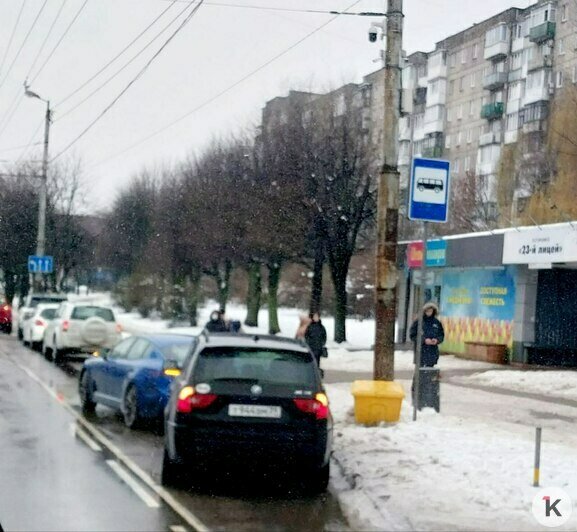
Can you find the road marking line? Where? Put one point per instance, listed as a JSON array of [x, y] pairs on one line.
[[132, 484], [164, 494], [178, 528], [87, 439]]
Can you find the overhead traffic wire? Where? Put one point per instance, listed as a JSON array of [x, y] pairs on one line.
[[121, 69], [226, 90], [119, 54], [133, 81]]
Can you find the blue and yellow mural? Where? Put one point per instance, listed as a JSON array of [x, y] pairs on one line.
[[477, 305]]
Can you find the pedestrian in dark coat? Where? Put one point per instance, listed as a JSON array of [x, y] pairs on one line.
[[433, 335], [316, 336], [216, 322]]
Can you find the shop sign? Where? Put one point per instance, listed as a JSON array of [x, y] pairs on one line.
[[540, 246], [436, 254]]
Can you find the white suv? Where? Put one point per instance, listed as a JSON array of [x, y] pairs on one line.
[[80, 328]]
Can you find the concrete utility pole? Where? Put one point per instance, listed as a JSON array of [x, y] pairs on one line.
[[388, 201], [42, 193]]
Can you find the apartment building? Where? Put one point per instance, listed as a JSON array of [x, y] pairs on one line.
[[489, 86]]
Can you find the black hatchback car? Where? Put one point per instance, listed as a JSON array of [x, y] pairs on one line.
[[250, 400]]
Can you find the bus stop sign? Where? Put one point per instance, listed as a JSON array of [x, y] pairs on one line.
[[429, 192]]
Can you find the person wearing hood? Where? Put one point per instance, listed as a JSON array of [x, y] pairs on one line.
[[316, 336], [216, 323], [433, 335]]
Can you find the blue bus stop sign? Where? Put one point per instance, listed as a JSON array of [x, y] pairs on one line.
[[429, 190]]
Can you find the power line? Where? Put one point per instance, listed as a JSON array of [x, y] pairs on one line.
[[47, 37], [117, 55], [59, 41], [134, 80], [223, 92], [12, 36], [30, 143], [288, 9], [14, 148], [121, 69], [23, 42]]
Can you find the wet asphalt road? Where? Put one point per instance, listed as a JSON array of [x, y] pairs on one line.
[[51, 480]]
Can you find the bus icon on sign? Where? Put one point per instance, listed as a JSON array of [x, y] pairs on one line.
[[425, 183]]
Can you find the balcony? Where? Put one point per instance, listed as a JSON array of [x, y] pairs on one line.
[[541, 61], [515, 75], [437, 71], [511, 136], [434, 126], [436, 152], [490, 138], [542, 32], [497, 51], [492, 111], [495, 81]]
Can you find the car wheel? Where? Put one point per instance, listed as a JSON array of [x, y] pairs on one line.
[[47, 352], [85, 391], [130, 412], [318, 480], [20, 334], [172, 474], [57, 355], [37, 346]]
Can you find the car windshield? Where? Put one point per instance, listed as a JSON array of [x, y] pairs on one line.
[[259, 365], [177, 351], [35, 301], [86, 312]]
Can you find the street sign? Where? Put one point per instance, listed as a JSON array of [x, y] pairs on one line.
[[436, 254], [429, 193], [38, 264]]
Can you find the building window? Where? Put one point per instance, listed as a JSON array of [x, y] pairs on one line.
[[475, 51], [449, 114], [453, 60], [459, 137], [448, 141], [471, 107], [460, 112], [559, 79], [456, 166], [469, 135], [575, 74], [561, 46], [467, 166], [473, 76], [564, 13], [464, 56]]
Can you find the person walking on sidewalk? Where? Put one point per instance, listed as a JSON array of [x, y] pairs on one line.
[[433, 335], [316, 337]]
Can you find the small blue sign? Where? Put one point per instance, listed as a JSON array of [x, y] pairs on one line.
[[429, 194], [436, 253], [38, 264]]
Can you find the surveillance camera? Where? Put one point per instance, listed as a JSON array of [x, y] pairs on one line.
[[373, 33]]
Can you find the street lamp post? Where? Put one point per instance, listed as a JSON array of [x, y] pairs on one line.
[[42, 194]]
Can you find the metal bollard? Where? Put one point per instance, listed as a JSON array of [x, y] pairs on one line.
[[536, 469]]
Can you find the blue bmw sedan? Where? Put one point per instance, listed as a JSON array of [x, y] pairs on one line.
[[134, 376]]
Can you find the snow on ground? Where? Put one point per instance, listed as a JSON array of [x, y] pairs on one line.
[[442, 472], [562, 384]]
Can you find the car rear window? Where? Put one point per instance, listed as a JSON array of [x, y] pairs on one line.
[[35, 301], [48, 313], [262, 365], [83, 313]]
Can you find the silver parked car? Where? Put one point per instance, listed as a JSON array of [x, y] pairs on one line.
[[80, 328]]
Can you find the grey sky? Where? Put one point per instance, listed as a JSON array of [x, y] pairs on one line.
[[219, 46]]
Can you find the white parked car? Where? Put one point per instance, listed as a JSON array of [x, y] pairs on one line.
[[80, 328], [33, 327], [29, 304]]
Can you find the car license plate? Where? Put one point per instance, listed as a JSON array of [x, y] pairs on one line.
[[254, 411]]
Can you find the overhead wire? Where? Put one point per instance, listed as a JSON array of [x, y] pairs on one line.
[[14, 148], [46, 38], [119, 54], [133, 81], [59, 42], [23, 43], [121, 69], [12, 36], [226, 90], [30, 143]]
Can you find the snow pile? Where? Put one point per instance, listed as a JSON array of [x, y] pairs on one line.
[[441, 472], [562, 384], [341, 359]]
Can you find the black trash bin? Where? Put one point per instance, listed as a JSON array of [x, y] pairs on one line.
[[429, 396]]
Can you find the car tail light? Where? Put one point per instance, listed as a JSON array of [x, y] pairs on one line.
[[39, 323], [65, 325], [118, 328], [6, 307], [319, 406], [189, 400]]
